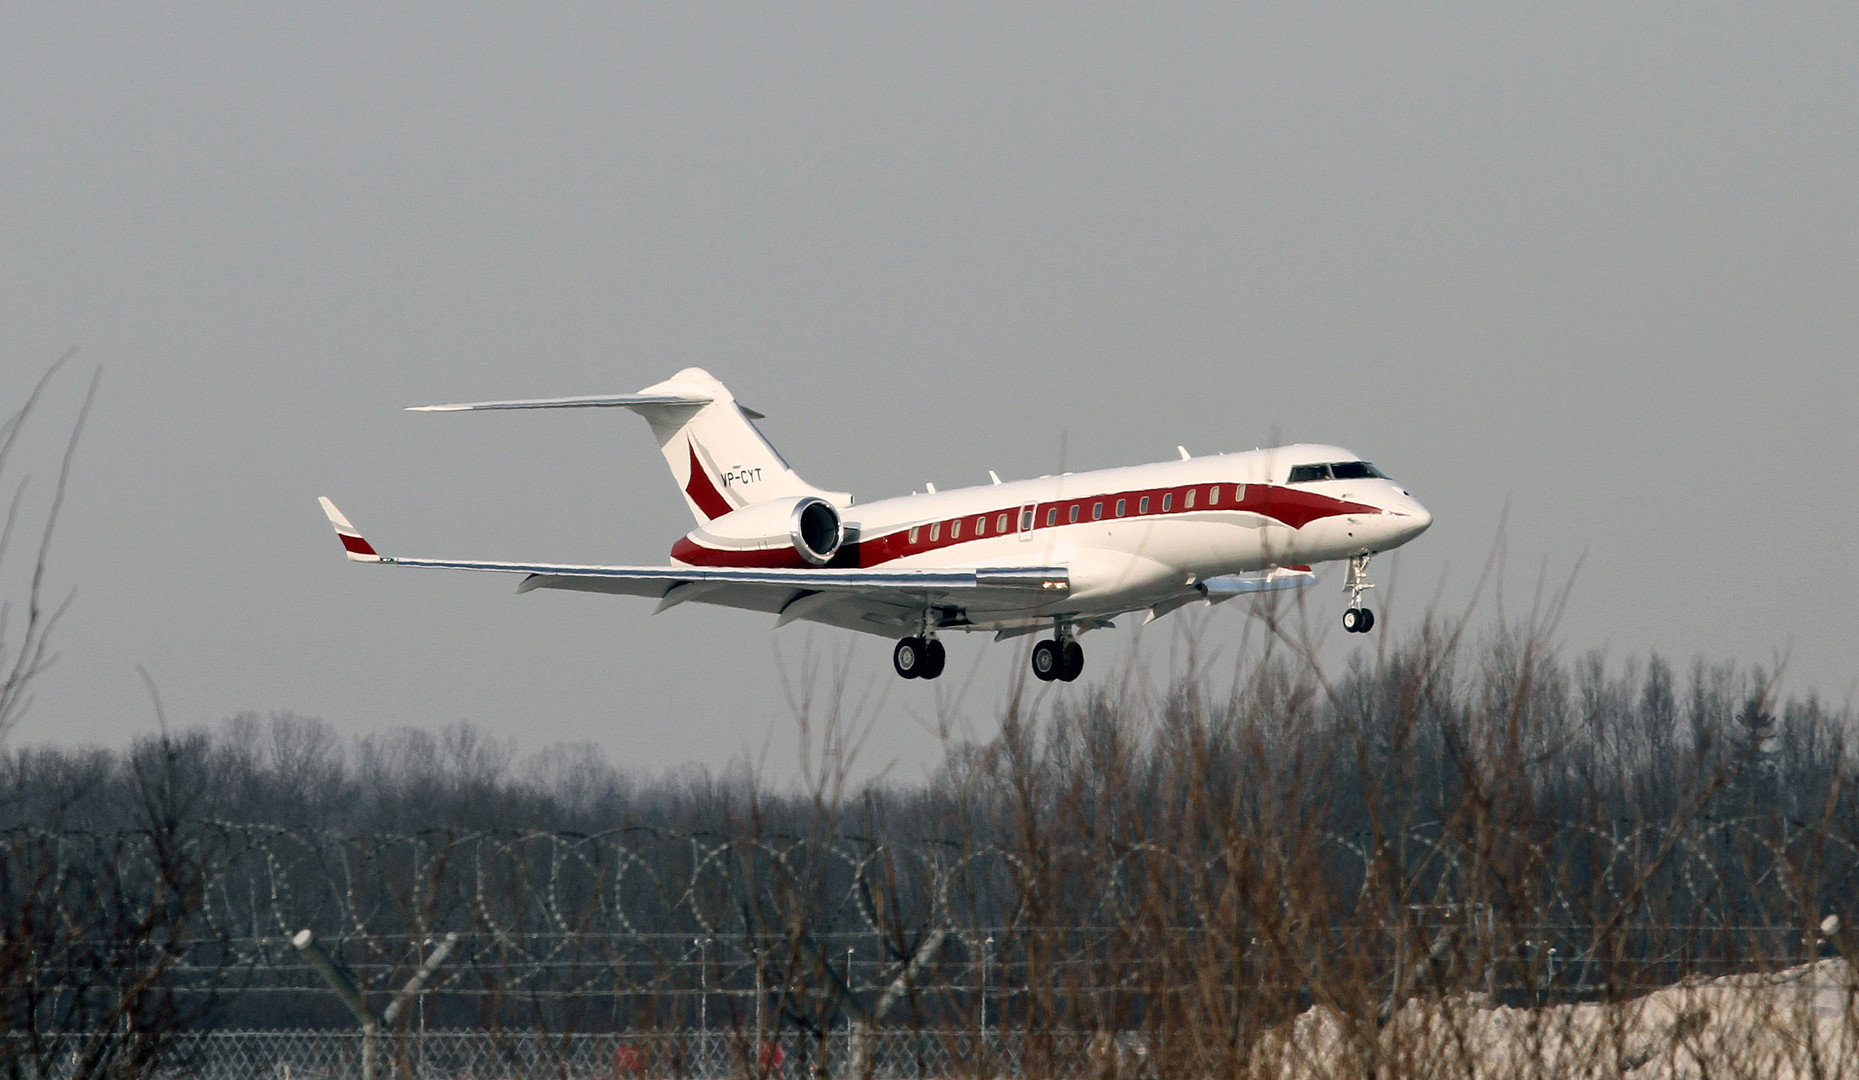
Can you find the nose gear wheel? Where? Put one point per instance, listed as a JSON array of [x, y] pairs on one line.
[[1358, 619]]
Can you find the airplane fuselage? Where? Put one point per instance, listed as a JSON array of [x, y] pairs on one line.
[[1132, 536]]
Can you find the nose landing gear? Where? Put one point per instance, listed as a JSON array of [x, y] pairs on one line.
[[1060, 658], [1358, 619]]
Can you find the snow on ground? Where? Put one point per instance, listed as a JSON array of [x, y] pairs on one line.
[[1796, 1023]]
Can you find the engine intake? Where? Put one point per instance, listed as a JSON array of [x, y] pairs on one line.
[[816, 530], [807, 525]]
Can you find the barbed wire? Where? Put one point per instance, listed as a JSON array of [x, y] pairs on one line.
[[642, 911]]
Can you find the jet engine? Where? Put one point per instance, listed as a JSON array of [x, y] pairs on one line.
[[806, 523]]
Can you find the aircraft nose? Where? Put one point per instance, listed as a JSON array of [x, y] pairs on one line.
[[1417, 518]]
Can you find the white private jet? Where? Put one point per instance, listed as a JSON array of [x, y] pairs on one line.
[[1068, 552]]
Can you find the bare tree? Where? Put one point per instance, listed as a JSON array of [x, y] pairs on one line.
[[24, 648]]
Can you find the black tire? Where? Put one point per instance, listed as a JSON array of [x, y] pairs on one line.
[[908, 657], [934, 657], [1368, 621], [1074, 661], [1352, 621], [1047, 661]]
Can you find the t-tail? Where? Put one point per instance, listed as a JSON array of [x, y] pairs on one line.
[[718, 457]]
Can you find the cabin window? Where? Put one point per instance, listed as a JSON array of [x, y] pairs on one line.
[[1097, 511], [955, 529], [1074, 512], [1142, 505], [1052, 516], [1121, 504], [936, 532], [1000, 523], [981, 525], [1213, 495], [1026, 519], [1189, 504], [1239, 493], [1168, 502], [913, 534]]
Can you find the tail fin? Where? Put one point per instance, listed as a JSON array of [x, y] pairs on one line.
[[716, 454]]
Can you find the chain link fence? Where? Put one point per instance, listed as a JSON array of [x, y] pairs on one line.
[[676, 1055]]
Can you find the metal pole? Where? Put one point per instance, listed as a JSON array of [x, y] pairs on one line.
[[987, 954], [343, 984], [703, 997]]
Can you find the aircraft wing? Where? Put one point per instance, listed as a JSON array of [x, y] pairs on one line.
[[877, 595]]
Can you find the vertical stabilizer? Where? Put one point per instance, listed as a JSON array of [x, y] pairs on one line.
[[717, 455]]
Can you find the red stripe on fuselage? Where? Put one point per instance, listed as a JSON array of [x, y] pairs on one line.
[[702, 491], [1298, 508], [1291, 506]]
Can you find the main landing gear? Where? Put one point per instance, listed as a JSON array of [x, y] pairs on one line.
[[1060, 658], [919, 658], [1358, 619]]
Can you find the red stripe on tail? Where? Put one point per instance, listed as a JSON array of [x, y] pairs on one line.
[[356, 545], [702, 491]]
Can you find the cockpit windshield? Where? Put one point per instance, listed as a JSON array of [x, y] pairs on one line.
[[1336, 470], [1355, 470]]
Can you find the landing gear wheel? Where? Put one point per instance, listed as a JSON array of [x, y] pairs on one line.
[[1048, 661], [1074, 662], [933, 659], [1358, 619], [910, 656]]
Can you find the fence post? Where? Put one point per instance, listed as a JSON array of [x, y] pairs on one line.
[[344, 985]]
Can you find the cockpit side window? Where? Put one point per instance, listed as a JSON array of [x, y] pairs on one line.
[[1356, 470], [1309, 474]]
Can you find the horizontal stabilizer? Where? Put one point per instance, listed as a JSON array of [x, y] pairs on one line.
[[594, 401]]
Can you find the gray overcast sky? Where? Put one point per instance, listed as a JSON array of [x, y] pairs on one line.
[[1598, 261]]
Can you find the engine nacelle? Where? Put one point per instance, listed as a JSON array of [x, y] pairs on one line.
[[807, 524]]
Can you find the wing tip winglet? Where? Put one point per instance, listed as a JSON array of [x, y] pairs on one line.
[[357, 549]]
